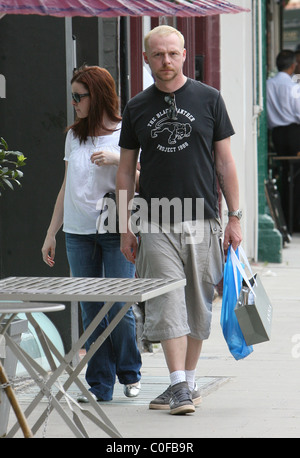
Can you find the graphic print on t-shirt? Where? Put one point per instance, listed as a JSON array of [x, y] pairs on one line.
[[174, 131], [177, 130]]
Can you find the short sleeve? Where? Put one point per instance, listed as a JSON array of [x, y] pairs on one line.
[[68, 145], [128, 138], [223, 127]]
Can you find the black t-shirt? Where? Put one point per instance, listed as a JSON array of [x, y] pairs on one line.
[[177, 155]]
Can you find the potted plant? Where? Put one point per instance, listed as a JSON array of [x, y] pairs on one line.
[[10, 161]]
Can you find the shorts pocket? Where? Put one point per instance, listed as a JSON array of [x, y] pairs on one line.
[[213, 272]]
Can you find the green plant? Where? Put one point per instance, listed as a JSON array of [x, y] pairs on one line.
[[10, 161]]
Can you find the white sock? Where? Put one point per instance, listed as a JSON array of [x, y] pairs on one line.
[[177, 377], [190, 378]]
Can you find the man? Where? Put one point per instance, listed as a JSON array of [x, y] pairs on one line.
[[183, 131], [283, 109], [283, 105]]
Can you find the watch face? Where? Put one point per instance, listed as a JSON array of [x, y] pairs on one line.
[[237, 213]]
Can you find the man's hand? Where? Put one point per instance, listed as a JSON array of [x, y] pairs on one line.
[[233, 234], [129, 246]]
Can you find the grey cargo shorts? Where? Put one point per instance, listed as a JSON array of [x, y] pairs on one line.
[[196, 255]]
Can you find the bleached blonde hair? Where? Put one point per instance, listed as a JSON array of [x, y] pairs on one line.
[[163, 30]]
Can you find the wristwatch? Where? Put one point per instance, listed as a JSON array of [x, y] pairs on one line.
[[238, 213]]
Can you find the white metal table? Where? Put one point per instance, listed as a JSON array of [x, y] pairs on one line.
[[68, 289], [8, 311]]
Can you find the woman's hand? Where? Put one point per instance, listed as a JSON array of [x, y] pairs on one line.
[[48, 250], [129, 246], [101, 158]]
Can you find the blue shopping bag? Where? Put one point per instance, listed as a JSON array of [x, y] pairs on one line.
[[229, 323]]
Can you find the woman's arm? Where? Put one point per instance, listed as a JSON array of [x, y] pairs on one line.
[[48, 248]]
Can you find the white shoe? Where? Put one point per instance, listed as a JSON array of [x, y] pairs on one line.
[[85, 400], [133, 390]]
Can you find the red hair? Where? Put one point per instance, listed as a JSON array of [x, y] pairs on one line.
[[103, 96]]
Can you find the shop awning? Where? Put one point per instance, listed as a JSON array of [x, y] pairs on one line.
[[114, 8]]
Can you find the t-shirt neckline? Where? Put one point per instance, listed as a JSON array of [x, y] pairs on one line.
[[186, 84]]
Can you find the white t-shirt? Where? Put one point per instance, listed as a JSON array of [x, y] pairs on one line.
[[283, 101], [86, 182]]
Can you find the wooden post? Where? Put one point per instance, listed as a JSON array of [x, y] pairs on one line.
[[14, 403]]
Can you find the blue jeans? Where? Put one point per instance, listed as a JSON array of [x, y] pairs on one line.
[[99, 255]]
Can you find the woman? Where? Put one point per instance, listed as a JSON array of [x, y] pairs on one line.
[[91, 160]]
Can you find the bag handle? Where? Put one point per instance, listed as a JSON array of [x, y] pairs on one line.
[[236, 264], [242, 252]]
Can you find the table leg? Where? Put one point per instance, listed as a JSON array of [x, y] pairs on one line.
[[7, 387], [33, 370], [14, 403], [45, 386], [65, 361], [47, 350], [108, 426], [75, 372]]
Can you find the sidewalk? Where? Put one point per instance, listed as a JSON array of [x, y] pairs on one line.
[[256, 397]]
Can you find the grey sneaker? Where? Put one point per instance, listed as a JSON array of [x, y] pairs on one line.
[[162, 402], [196, 396], [181, 399]]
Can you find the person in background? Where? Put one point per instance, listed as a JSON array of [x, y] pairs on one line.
[[182, 130], [91, 160], [283, 111]]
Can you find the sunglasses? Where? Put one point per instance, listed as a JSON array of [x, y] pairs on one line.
[[77, 97], [172, 110]]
